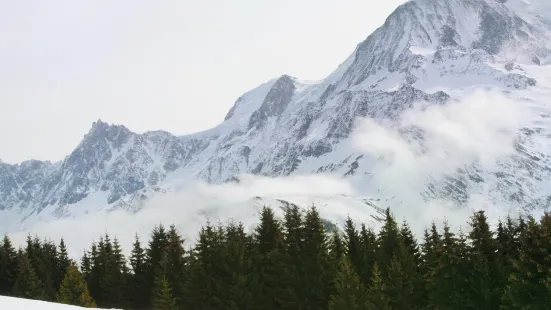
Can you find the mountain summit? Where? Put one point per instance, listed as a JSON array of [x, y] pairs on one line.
[[427, 51]]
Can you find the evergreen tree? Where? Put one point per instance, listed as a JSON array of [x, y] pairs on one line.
[[292, 277], [201, 291], [162, 298], [8, 266], [350, 292], [268, 235], [410, 244], [238, 282], [447, 282], [388, 242], [336, 247], [116, 275], [315, 262], [402, 281], [353, 245], [368, 244], [483, 292], [155, 256], [268, 247], [85, 266], [62, 262], [27, 284], [73, 289], [96, 271], [377, 291], [138, 287], [48, 273], [175, 263], [430, 248], [529, 283]]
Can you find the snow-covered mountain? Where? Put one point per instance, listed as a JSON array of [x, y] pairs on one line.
[[429, 51]]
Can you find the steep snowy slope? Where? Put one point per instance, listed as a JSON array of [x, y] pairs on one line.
[[428, 52]]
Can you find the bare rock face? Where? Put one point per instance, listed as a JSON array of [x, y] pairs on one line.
[[286, 126]]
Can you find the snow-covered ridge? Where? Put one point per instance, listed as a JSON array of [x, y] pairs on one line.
[[427, 51]]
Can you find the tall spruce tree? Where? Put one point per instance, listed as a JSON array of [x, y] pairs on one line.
[[353, 245], [27, 285], [315, 262], [377, 291], [350, 293], [96, 272], [203, 290], [293, 277], [368, 243], [529, 283], [73, 289], [8, 266], [162, 298], [447, 282], [138, 286], [267, 251], [484, 283], [62, 262], [388, 241], [239, 283], [175, 268], [155, 256]]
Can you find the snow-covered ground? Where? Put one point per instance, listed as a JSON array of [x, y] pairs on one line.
[[10, 303]]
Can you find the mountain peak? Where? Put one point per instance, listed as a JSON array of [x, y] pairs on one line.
[[98, 126], [420, 27]]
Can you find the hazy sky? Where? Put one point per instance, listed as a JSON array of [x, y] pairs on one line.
[[172, 65]]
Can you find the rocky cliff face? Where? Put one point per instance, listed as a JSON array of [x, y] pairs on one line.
[[426, 51]]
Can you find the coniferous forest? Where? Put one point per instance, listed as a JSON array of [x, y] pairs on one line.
[[295, 263]]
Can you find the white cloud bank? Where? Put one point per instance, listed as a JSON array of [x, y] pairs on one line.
[[482, 127]]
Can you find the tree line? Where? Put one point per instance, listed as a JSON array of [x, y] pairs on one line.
[[296, 263]]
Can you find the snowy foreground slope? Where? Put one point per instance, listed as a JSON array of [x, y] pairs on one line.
[[446, 104], [10, 303]]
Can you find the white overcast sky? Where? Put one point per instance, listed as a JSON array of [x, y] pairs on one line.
[[175, 65]]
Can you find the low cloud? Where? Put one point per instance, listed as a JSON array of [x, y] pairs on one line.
[[431, 142], [479, 128], [191, 207]]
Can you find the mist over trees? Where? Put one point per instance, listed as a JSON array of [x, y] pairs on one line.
[[296, 263]]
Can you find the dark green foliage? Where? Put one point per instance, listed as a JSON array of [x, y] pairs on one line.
[[162, 298], [154, 258], [352, 244], [368, 243], [266, 253], [378, 298], [529, 282], [62, 262], [297, 264], [206, 288], [483, 290], [315, 262], [447, 280], [8, 266], [27, 285], [350, 293], [175, 263], [73, 289], [388, 241], [137, 289]]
